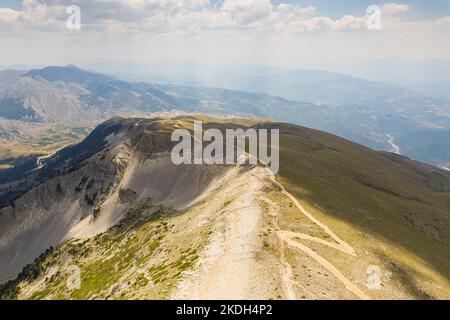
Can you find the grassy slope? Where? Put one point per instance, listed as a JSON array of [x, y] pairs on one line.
[[384, 205], [142, 257]]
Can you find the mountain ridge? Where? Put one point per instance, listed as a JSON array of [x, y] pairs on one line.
[[391, 210]]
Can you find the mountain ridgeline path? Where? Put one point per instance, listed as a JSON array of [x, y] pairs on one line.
[[228, 261]]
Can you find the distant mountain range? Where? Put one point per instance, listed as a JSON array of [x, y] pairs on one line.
[[377, 115], [72, 95]]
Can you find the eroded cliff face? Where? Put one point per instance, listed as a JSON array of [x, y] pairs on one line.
[[43, 216], [91, 196]]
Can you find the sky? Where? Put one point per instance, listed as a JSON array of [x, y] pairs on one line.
[[331, 35], [419, 9]]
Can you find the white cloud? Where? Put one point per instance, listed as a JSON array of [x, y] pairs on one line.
[[393, 9], [8, 15], [244, 12]]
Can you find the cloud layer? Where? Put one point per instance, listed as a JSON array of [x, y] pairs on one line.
[[248, 31], [189, 16]]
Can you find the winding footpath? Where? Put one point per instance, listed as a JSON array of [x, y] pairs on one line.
[[291, 239], [288, 237]]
